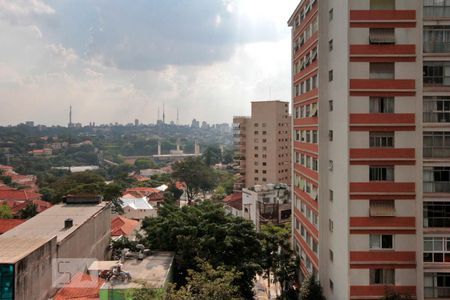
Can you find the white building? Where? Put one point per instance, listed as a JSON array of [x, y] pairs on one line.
[[137, 208], [268, 203]]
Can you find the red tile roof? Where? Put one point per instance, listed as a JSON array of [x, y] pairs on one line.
[[17, 206], [19, 195], [81, 287], [180, 185], [8, 224], [123, 226], [234, 200]]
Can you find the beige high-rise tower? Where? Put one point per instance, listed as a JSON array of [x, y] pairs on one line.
[[262, 144]]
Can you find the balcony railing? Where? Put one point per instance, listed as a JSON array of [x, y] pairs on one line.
[[436, 152], [435, 11], [436, 47], [436, 222], [436, 187], [437, 292], [436, 117]]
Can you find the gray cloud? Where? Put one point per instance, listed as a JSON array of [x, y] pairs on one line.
[[151, 34]]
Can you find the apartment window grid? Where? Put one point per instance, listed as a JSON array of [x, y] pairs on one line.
[[436, 214], [436, 109], [436, 285], [436, 144], [436, 249], [436, 73], [377, 173], [436, 8], [436, 39], [381, 35], [381, 105], [436, 179], [382, 276], [381, 241], [381, 139]]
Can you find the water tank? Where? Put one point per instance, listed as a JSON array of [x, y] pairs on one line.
[[68, 223]]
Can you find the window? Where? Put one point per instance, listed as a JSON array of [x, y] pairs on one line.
[[437, 285], [331, 195], [330, 75], [382, 276], [382, 70], [330, 105], [436, 179], [436, 214], [331, 255], [382, 208], [330, 135], [381, 139], [331, 285], [330, 225], [381, 241], [382, 35], [436, 73], [330, 45], [436, 8], [330, 15], [382, 4], [330, 165], [381, 173], [379, 105], [436, 109], [436, 249], [436, 39]]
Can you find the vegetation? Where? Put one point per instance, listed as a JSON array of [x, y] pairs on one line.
[[197, 176], [29, 211], [146, 292], [311, 289], [206, 284], [392, 295], [5, 212], [278, 258], [207, 232], [145, 163]]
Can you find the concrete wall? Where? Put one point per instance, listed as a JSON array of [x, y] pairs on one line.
[[33, 274]]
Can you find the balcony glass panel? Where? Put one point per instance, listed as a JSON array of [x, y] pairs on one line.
[[436, 144], [436, 8], [436, 180], [437, 285], [436, 109], [436, 39], [436, 214], [436, 73]]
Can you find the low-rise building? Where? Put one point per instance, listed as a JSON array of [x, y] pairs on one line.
[[268, 203], [233, 204], [29, 253], [123, 227], [137, 208]]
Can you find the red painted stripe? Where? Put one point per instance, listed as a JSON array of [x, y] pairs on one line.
[[382, 15], [307, 198], [306, 22], [310, 227], [307, 46], [308, 250], [306, 147], [306, 73], [376, 153], [382, 187], [382, 93], [382, 59], [307, 172], [314, 100], [383, 256], [383, 128], [383, 162], [380, 290], [306, 121], [382, 222], [307, 153], [382, 231], [368, 119], [382, 197], [376, 50], [314, 93], [382, 266], [383, 25], [382, 84]]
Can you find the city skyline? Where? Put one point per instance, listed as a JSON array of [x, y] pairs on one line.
[[60, 54]]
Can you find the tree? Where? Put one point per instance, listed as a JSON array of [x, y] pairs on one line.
[[197, 176], [145, 292], [207, 232], [393, 295], [5, 212], [144, 163], [212, 155], [29, 211], [278, 258], [311, 289], [206, 284]]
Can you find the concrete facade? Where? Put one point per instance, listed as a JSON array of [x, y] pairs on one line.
[[262, 144]]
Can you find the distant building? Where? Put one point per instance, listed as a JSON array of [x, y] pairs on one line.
[[137, 208], [195, 124], [41, 152], [233, 204], [268, 203], [263, 144], [64, 231], [123, 227], [29, 123], [136, 122]]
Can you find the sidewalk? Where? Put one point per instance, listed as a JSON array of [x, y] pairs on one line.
[[261, 289]]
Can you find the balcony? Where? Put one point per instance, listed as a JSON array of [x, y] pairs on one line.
[[436, 152], [436, 47], [437, 292], [436, 187], [436, 11], [436, 117]]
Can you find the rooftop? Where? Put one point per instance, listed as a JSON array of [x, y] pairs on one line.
[[123, 226], [19, 195], [153, 269], [30, 235], [136, 203], [8, 224], [81, 287]]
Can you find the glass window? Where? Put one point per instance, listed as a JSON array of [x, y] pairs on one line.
[[381, 241], [381, 139], [381, 173], [381, 105], [382, 4], [382, 70], [382, 276]]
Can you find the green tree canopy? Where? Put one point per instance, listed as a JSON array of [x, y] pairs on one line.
[[311, 289], [145, 163], [212, 155], [207, 232], [197, 176], [207, 284], [393, 295], [5, 212]]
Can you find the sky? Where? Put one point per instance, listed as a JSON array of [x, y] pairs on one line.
[[118, 60]]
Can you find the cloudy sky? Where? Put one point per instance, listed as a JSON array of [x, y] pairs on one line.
[[117, 60]]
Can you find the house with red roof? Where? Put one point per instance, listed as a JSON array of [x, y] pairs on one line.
[[154, 196], [19, 195], [233, 204], [81, 287], [8, 224], [17, 206], [123, 227]]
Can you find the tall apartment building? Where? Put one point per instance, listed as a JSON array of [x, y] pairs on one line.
[[262, 144], [371, 146]]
